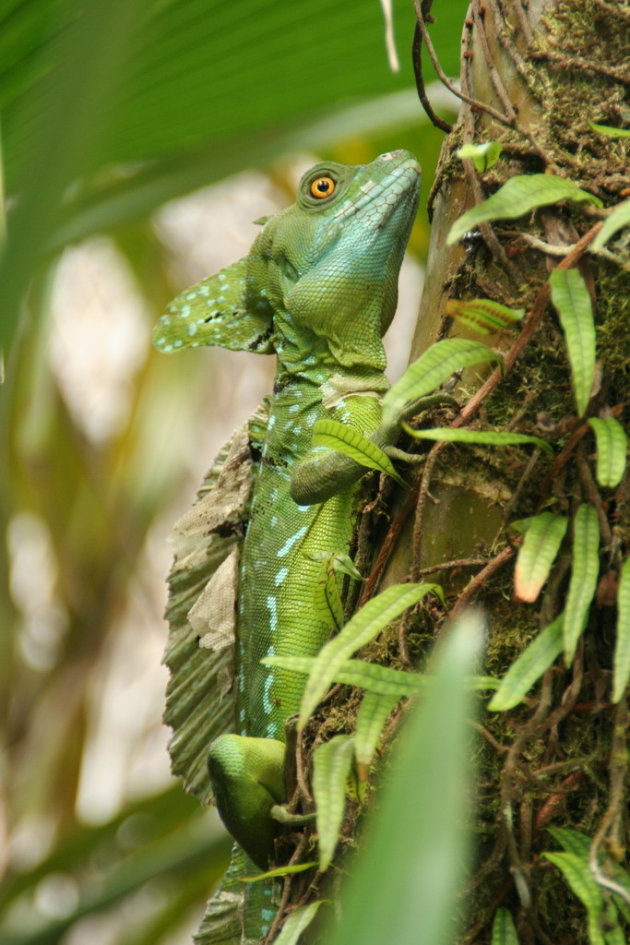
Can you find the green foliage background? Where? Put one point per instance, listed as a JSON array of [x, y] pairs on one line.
[[108, 110]]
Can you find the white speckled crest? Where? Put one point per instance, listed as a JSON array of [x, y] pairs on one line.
[[222, 310]]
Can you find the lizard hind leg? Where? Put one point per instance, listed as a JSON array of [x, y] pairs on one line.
[[247, 776]]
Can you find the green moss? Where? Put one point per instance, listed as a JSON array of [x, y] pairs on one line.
[[586, 45], [612, 315], [557, 750]]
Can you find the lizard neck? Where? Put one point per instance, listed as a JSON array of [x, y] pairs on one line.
[[308, 370]]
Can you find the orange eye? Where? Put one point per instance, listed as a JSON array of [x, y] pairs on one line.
[[322, 187]]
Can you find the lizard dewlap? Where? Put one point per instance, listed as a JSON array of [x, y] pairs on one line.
[[317, 290]]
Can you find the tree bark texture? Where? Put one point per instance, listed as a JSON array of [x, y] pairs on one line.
[[533, 76]]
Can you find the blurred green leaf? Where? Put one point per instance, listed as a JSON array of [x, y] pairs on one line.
[[57, 103], [140, 102], [417, 830], [175, 852], [152, 817], [119, 198], [190, 74]]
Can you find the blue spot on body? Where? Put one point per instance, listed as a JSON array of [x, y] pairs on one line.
[[273, 613], [286, 548], [267, 699], [281, 575]]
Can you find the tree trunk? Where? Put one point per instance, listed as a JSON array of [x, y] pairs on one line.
[[559, 759]]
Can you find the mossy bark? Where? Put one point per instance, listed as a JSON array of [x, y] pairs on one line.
[[534, 76], [550, 69]]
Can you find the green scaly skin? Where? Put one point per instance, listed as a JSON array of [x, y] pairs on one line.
[[318, 290]]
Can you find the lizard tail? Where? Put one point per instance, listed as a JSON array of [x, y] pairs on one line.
[[238, 913]]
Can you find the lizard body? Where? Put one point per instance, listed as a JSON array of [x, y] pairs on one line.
[[318, 289]]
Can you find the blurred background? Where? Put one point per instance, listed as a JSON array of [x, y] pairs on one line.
[[140, 139]]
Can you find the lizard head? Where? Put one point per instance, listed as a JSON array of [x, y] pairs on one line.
[[322, 273], [333, 258]]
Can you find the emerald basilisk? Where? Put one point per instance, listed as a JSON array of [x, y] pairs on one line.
[[317, 290]]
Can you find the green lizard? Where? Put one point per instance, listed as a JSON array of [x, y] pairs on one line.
[[318, 289]]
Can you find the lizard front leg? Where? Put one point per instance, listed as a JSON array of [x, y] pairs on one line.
[[323, 472]]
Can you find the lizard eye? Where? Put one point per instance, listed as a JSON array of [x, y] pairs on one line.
[[322, 187]]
